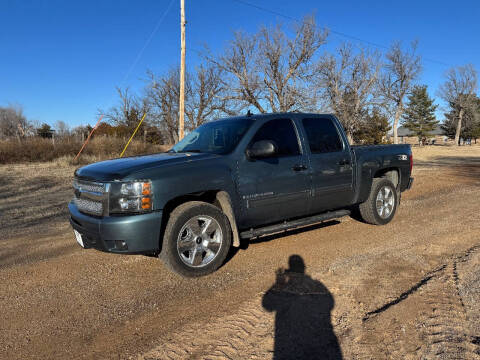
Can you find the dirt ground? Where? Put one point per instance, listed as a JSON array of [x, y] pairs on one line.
[[341, 289]]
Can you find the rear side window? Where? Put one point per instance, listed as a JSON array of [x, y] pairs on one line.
[[282, 133], [322, 136]]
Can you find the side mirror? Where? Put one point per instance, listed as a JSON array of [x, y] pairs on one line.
[[262, 149]]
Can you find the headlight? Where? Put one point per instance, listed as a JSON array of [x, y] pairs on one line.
[[131, 197]]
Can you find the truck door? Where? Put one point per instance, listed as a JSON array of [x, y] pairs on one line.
[[330, 162], [275, 188]]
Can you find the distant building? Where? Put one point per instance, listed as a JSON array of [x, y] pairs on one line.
[[406, 136]]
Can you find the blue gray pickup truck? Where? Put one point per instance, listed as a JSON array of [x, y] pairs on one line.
[[232, 179]]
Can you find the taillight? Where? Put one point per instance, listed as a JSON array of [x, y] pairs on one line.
[[411, 162]]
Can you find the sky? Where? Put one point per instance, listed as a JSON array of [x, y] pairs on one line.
[[61, 60]]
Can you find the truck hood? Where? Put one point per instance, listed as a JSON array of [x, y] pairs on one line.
[[117, 169]]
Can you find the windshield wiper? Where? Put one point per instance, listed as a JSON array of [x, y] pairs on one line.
[[192, 151]]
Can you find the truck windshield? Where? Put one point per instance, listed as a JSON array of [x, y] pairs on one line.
[[216, 137]]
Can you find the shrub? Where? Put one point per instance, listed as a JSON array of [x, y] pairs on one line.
[[35, 149]]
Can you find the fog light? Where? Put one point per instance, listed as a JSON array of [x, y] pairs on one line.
[[129, 204]]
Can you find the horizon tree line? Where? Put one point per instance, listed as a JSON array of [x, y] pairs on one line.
[[279, 69]]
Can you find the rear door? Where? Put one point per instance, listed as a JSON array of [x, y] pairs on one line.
[[330, 162], [276, 188]]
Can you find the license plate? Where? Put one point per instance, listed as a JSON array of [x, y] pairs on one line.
[[78, 236]]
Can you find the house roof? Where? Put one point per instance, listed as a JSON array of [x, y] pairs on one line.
[[403, 131]]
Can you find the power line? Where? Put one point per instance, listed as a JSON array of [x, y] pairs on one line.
[[181, 100], [147, 42], [342, 34]]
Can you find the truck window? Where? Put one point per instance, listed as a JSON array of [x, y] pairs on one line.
[[282, 133], [216, 137], [322, 135]]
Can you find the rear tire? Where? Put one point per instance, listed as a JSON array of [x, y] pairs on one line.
[[381, 205], [197, 239]]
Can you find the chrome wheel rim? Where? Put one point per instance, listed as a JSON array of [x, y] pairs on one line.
[[199, 241], [385, 202]]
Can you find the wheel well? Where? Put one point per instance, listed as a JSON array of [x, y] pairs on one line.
[[205, 196], [391, 174]]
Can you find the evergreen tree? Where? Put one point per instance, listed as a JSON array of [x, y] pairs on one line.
[[373, 128], [475, 132], [45, 131], [419, 116]]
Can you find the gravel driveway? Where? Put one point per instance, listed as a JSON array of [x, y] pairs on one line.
[[407, 290]]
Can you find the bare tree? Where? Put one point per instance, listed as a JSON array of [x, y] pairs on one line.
[[206, 96], [470, 126], [162, 94], [129, 110], [401, 69], [269, 70], [81, 132], [62, 129], [205, 99], [348, 84], [7, 122], [458, 90], [13, 122]]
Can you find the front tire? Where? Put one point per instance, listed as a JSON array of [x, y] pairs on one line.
[[197, 239], [381, 205]]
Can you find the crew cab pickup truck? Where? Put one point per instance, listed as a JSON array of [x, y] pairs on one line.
[[232, 179]]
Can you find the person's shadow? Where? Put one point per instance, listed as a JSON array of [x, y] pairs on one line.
[[303, 329]]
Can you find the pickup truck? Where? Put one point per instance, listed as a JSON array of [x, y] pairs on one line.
[[232, 179]]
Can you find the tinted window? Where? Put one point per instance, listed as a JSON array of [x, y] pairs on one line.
[[322, 135], [282, 133]]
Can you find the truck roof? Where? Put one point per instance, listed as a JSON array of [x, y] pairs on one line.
[[272, 116]]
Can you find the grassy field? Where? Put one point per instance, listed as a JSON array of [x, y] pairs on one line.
[[439, 152]]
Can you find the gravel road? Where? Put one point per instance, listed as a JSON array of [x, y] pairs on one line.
[[342, 289]]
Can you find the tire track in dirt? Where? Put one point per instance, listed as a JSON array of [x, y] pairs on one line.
[[301, 331], [443, 323], [245, 334], [405, 294], [445, 328]]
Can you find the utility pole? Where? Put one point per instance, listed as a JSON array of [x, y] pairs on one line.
[[181, 107]]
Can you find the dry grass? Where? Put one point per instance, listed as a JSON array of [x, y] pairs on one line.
[[34, 197], [100, 148], [36, 176], [435, 152], [462, 162]]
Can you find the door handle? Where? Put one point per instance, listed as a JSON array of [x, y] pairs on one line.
[[344, 162], [299, 167]]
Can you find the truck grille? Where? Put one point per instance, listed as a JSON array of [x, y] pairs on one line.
[[90, 197]]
